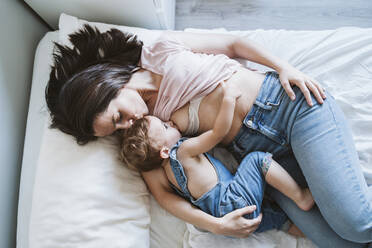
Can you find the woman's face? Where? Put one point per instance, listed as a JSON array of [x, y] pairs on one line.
[[122, 111]]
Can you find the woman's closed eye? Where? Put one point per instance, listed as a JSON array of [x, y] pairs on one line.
[[116, 119], [120, 118], [165, 125]]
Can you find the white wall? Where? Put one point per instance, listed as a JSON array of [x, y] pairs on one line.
[[20, 31]]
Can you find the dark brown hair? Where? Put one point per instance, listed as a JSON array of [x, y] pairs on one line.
[[137, 150], [85, 78]]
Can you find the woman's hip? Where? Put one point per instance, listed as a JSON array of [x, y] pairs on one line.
[[268, 125], [321, 141]]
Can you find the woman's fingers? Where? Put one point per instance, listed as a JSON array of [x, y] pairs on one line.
[[236, 225], [306, 92], [287, 87], [320, 88], [245, 210], [256, 221], [315, 90], [250, 224], [290, 76], [307, 88]]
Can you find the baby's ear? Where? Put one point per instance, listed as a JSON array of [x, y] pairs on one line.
[[164, 152]]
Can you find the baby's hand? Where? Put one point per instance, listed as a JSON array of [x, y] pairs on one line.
[[230, 90]]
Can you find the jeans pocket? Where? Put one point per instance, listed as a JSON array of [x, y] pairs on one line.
[[272, 134], [257, 127]]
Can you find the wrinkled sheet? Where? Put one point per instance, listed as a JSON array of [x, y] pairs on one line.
[[341, 60]]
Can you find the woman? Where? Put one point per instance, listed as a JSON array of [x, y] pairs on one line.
[[101, 77]]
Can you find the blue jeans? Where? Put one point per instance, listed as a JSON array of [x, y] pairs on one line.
[[315, 145], [231, 192]]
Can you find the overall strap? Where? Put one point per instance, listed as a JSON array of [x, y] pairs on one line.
[[178, 170]]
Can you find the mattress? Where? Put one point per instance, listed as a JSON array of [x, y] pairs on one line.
[[340, 59]]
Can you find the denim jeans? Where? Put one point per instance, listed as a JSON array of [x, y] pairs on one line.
[[315, 145], [244, 188]]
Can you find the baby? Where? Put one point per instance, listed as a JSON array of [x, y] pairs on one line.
[[202, 179]]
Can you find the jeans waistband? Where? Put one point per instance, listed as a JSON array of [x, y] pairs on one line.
[[269, 98], [269, 95]]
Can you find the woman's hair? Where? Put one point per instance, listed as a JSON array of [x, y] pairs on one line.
[[84, 79], [137, 150]]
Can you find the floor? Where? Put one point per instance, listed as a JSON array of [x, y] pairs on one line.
[[273, 14]]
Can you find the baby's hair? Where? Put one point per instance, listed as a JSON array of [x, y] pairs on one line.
[[137, 149]]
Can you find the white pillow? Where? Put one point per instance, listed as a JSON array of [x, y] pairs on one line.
[[84, 197]]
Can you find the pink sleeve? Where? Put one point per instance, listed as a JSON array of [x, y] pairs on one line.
[[155, 55]]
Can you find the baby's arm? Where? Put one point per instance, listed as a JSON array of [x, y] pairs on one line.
[[279, 178], [209, 139]]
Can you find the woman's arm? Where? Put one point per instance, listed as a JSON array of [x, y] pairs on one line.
[[242, 47], [232, 224]]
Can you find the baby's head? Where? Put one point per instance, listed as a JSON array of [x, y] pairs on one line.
[[147, 143]]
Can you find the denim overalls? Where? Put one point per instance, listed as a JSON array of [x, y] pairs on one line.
[[231, 192]]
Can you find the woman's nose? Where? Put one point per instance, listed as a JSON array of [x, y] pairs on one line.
[[125, 124]]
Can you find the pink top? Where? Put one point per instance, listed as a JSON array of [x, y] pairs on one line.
[[186, 74]]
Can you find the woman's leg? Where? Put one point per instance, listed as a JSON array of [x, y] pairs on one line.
[[311, 223], [325, 152], [323, 146]]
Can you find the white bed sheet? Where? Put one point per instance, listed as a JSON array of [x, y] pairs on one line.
[[340, 59]]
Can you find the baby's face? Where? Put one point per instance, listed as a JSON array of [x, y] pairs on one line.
[[162, 133]]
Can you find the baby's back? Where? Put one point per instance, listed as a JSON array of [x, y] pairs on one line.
[[200, 173]]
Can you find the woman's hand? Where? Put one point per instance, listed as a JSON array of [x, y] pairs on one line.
[[290, 76], [235, 225]]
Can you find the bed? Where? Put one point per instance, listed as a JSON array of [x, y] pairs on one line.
[[81, 196]]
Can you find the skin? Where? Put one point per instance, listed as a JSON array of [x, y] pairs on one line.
[[120, 114], [138, 98], [163, 135], [201, 174]]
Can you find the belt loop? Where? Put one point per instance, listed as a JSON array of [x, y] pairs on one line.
[[263, 106]]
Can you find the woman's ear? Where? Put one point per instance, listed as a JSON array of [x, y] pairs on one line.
[[164, 152]]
